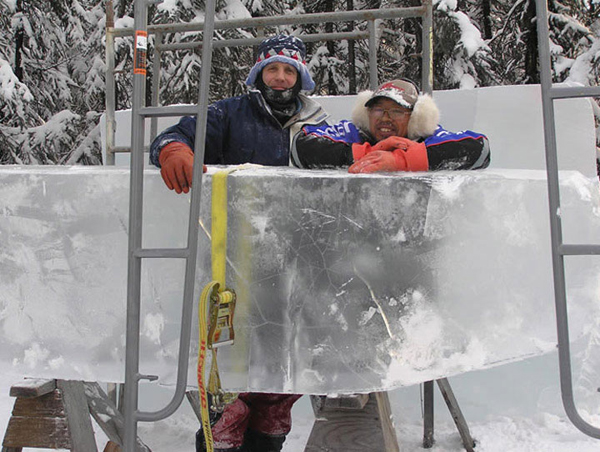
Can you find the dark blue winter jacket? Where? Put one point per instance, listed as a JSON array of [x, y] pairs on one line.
[[243, 130]]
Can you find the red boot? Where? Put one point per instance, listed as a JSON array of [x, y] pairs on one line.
[[255, 422], [229, 430]]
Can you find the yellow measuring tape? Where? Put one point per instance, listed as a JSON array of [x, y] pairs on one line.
[[216, 308]]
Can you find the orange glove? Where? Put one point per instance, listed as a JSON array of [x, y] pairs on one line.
[[388, 144], [177, 166], [391, 143], [359, 150], [411, 158]]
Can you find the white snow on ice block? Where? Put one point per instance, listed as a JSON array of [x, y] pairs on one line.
[[346, 283], [511, 117]]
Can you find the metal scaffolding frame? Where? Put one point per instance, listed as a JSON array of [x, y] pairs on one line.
[[136, 252], [560, 249]]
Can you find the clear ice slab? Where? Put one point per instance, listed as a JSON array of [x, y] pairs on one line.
[[345, 283]]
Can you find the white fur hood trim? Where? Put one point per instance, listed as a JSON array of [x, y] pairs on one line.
[[360, 113], [423, 121]]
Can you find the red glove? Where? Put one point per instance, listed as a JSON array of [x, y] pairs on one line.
[[388, 144], [177, 166], [391, 143], [412, 158], [359, 150]]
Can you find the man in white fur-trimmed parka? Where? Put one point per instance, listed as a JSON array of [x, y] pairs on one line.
[[393, 128]]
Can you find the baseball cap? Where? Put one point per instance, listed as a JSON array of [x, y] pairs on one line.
[[403, 91]]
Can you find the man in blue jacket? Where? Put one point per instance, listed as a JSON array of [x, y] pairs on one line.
[[258, 127], [394, 128]]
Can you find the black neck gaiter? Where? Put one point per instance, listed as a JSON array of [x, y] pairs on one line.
[[282, 102]]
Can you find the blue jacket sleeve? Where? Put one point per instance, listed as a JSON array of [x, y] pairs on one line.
[[185, 132], [457, 150], [217, 127], [326, 146]]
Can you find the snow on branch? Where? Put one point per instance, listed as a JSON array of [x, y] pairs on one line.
[[582, 68], [470, 36], [85, 148], [470, 49], [569, 23], [11, 89], [12, 92], [10, 4]]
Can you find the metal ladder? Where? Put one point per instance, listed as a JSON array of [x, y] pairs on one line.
[[560, 249], [136, 253]]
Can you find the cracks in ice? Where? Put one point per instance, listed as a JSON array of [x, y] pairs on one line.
[[374, 298]]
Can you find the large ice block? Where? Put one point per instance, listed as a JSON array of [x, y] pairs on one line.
[[346, 283]]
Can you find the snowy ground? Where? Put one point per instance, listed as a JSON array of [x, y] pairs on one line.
[[511, 408]]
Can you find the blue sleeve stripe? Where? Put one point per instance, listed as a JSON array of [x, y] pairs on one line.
[[343, 132], [320, 135], [443, 136]]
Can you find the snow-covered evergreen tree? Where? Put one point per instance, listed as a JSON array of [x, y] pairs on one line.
[[52, 68], [60, 68], [462, 57]]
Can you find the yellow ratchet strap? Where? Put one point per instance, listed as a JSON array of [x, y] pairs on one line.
[[216, 308], [203, 336]]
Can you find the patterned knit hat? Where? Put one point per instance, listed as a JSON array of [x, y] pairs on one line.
[[285, 49]]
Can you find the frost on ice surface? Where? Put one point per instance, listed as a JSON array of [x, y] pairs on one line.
[[153, 326], [366, 316], [331, 296], [454, 295]]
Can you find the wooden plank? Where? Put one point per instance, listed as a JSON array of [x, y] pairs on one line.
[[48, 405], [112, 392], [103, 410], [387, 422], [40, 432], [455, 411], [346, 402], [352, 430], [317, 403], [112, 447], [32, 387], [105, 413], [78, 416], [428, 415]]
